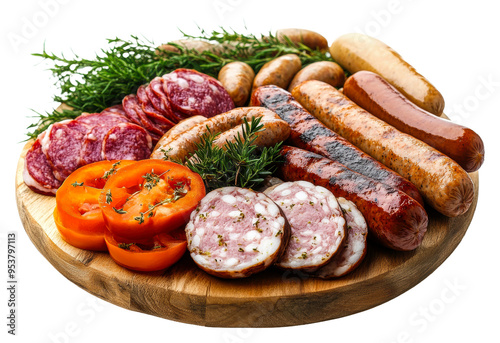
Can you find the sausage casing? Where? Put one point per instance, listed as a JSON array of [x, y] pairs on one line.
[[279, 71], [377, 96], [309, 133], [184, 144], [394, 219], [309, 38], [326, 71], [237, 78], [355, 52], [440, 180]]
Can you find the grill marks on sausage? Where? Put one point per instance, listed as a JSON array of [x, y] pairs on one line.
[[394, 219], [309, 133]]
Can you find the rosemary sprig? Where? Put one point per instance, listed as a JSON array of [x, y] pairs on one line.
[[239, 163], [90, 85]]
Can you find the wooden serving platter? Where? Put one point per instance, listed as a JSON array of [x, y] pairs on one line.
[[272, 298]]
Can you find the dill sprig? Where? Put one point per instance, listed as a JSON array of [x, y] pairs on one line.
[[240, 163], [91, 85]]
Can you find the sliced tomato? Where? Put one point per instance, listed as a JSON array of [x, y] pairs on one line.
[[78, 239], [148, 198], [164, 251], [77, 202]]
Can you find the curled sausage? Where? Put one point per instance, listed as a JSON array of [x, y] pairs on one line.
[[237, 78], [377, 96], [184, 144], [355, 52], [441, 181], [326, 71], [177, 129]]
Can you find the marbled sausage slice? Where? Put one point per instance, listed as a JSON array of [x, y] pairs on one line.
[[236, 232], [354, 248], [316, 220], [37, 173], [126, 141]]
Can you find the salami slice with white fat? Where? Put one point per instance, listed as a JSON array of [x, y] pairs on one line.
[[236, 232], [126, 141], [194, 93], [317, 224], [62, 145], [117, 109], [37, 173], [354, 249], [99, 125]]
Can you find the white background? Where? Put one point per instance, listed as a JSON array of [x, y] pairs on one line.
[[454, 44]]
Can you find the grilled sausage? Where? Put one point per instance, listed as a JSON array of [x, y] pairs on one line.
[[275, 130], [237, 78], [355, 52], [279, 71], [377, 96], [326, 71], [440, 180], [309, 38], [394, 219], [309, 133], [177, 129]]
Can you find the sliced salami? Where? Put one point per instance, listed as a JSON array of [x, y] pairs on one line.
[[126, 141], [156, 92], [130, 105], [316, 221], [354, 249], [62, 146], [236, 232], [37, 173], [117, 109], [156, 118], [194, 93]]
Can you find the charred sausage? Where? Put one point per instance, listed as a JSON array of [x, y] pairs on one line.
[[309, 133], [237, 78], [440, 180], [377, 96], [394, 219]]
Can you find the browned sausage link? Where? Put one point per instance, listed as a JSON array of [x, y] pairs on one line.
[[356, 51], [440, 180], [237, 78], [177, 129], [377, 96], [326, 71], [393, 218], [309, 38], [309, 133], [189, 44], [279, 71], [184, 144]]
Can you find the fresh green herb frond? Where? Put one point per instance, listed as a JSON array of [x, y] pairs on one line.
[[91, 85], [240, 163]]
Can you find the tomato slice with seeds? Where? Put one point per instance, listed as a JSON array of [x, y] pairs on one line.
[[150, 197], [78, 215], [165, 250]]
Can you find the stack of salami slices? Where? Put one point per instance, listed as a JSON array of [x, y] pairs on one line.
[[178, 95], [126, 132]]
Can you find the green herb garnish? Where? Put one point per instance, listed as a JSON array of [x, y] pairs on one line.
[[239, 163]]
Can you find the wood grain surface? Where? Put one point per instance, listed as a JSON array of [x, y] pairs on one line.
[[272, 298]]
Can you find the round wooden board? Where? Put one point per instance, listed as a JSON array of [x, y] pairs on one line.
[[272, 298]]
